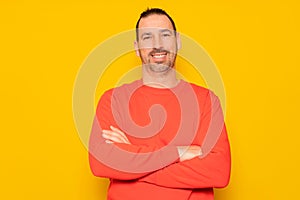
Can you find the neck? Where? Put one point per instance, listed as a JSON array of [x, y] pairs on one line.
[[165, 79]]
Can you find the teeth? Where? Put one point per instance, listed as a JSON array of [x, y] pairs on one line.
[[159, 56]]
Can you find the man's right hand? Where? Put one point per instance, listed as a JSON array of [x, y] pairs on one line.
[[189, 152]]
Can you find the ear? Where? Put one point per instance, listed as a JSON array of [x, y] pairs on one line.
[[178, 41], [136, 47]]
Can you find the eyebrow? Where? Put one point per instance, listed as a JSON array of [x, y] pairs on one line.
[[165, 30], [161, 31]]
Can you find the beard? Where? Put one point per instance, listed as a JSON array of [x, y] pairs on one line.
[[159, 67]]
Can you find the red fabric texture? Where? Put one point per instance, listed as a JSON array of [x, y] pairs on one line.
[[156, 121]]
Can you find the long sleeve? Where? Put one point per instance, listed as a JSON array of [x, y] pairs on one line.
[[122, 161], [210, 170]]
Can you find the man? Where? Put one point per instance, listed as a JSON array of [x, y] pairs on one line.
[[159, 137]]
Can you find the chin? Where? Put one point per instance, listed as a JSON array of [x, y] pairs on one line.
[[159, 67]]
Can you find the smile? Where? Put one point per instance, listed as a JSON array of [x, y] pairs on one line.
[[159, 55]]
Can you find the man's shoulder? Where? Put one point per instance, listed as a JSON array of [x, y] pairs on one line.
[[199, 89], [203, 92], [123, 89]]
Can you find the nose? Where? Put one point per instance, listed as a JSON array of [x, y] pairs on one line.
[[157, 42]]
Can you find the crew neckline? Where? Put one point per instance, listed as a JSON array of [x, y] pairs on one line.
[[153, 90]]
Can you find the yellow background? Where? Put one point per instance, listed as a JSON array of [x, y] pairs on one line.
[[255, 45]]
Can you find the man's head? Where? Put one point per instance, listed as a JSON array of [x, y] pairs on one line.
[[157, 40], [153, 11]]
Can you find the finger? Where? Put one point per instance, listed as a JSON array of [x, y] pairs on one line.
[[120, 132], [114, 136], [109, 141], [117, 130], [110, 137], [122, 137], [201, 152]]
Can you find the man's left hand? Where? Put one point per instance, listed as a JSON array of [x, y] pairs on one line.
[[115, 135]]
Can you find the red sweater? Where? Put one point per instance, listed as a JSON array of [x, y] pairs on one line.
[[155, 122]]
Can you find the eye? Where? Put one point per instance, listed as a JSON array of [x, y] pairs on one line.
[[166, 34], [147, 37]]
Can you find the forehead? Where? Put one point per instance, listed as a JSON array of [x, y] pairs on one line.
[[156, 21]]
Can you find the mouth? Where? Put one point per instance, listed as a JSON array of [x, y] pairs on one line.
[[159, 56]]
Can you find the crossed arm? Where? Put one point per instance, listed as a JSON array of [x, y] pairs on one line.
[[186, 168], [112, 155], [115, 135]]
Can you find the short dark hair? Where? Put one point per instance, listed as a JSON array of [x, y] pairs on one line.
[[152, 11]]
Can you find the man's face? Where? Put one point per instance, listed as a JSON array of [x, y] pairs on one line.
[[157, 43]]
